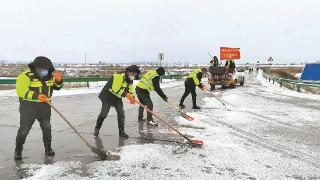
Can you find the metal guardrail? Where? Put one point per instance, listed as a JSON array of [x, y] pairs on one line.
[[91, 79], [7, 81], [296, 83]]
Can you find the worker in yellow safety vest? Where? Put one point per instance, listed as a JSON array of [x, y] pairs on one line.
[[34, 88], [150, 81], [231, 65], [118, 86], [193, 80]]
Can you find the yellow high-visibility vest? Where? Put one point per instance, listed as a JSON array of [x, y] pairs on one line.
[[28, 86], [146, 80], [119, 85], [193, 75]]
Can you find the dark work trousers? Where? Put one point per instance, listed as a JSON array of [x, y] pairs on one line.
[[213, 87], [190, 87], [26, 122], [145, 99], [118, 104]]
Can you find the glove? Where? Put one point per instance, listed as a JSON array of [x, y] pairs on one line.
[[57, 76], [203, 87], [132, 101], [43, 98], [131, 98]]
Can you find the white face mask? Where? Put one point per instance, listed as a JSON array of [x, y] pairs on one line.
[[131, 78]]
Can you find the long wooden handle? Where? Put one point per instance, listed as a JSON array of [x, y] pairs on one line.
[[162, 120], [215, 97], [74, 129], [219, 100], [174, 106]]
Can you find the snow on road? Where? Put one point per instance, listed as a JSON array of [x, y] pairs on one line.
[[223, 156], [257, 139]]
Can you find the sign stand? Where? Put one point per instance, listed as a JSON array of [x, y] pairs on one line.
[[161, 58]]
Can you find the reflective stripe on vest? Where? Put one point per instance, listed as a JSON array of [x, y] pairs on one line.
[[146, 80]]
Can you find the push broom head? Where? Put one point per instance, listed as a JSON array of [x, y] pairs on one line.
[[187, 117], [100, 152], [196, 143]]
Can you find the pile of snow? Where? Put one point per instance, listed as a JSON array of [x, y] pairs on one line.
[[196, 123], [211, 102], [62, 170]]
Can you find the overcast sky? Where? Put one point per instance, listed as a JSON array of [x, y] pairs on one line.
[[136, 30]]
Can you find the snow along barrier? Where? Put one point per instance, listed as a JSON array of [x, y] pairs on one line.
[[87, 80], [295, 83]]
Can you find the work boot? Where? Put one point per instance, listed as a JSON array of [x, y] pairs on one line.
[[196, 107], [96, 132], [182, 106], [18, 154], [123, 134], [141, 119], [48, 150], [152, 123]]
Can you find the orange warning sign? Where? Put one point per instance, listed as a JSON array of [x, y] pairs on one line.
[[229, 53]]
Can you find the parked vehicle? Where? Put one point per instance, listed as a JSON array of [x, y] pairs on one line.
[[221, 75]]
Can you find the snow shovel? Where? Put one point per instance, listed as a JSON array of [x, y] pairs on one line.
[[181, 113], [101, 153], [218, 99], [190, 141]]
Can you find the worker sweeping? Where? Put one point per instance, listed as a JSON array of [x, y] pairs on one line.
[[120, 85], [193, 80], [149, 82], [34, 88]]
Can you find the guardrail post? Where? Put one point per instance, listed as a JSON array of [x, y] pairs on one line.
[[280, 83], [88, 84], [272, 81], [298, 88], [269, 79]]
